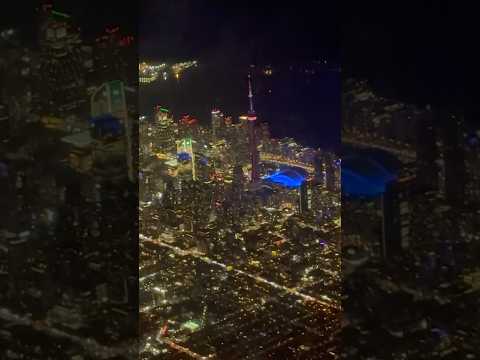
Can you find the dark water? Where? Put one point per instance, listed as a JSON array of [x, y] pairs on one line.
[[294, 104]]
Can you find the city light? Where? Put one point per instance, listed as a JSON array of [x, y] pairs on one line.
[[149, 73], [236, 215]]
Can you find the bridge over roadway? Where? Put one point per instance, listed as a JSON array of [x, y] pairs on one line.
[[403, 154], [280, 160]]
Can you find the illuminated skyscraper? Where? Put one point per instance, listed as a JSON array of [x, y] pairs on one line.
[[111, 56], [319, 169], [4, 122], [17, 84], [238, 184], [472, 158], [110, 99], [252, 136], [217, 124], [169, 193], [397, 213], [64, 62], [186, 159], [453, 159], [427, 168], [164, 125], [303, 197], [188, 127], [265, 133], [330, 170]]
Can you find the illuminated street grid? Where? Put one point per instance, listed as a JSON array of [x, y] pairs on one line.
[[239, 241], [243, 313]]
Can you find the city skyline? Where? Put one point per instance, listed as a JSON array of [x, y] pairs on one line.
[[233, 185], [196, 179], [227, 186]]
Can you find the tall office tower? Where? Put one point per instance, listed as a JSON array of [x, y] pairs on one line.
[[188, 127], [165, 132], [316, 196], [186, 159], [200, 291], [453, 158], [252, 136], [64, 63], [238, 184], [264, 133], [303, 200], [337, 168], [19, 243], [169, 195], [243, 123], [110, 56], [217, 124], [319, 177], [4, 122], [195, 206], [7, 200], [473, 160], [426, 162], [204, 168], [110, 99], [18, 81], [330, 172], [239, 138], [397, 212]]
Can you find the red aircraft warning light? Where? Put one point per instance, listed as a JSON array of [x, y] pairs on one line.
[[188, 120]]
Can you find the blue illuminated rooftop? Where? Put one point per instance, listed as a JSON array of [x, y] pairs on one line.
[[366, 174], [107, 125], [183, 156], [289, 178]]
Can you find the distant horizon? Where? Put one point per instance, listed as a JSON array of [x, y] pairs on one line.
[[309, 109], [169, 60]]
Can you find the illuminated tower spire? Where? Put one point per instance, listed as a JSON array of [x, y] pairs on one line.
[[252, 119], [250, 95]]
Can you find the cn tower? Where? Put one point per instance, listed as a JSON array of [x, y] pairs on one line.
[[252, 119]]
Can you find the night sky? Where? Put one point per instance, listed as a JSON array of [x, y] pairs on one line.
[[251, 31], [418, 52], [424, 53], [226, 37]]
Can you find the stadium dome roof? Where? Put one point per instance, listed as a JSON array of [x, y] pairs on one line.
[[366, 174], [288, 177]]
